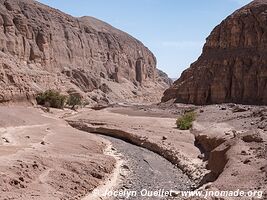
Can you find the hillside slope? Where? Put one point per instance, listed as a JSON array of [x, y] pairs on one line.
[[233, 64], [44, 48]]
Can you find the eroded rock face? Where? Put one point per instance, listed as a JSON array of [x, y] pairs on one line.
[[233, 65], [43, 48]]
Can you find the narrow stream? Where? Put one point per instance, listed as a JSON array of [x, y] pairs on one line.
[[147, 171]]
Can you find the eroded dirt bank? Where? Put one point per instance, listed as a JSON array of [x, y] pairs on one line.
[[42, 157], [143, 170], [156, 134], [225, 150], [234, 143]]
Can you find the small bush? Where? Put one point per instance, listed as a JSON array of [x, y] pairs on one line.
[[51, 98], [185, 122], [74, 100]]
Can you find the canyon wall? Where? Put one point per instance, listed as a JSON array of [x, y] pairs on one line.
[[43, 48], [233, 64]]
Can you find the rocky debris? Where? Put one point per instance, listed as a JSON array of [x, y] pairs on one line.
[[125, 167], [223, 108], [246, 161], [99, 107], [208, 143], [218, 136], [164, 138], [145, 168], [260, 116], [252, 137], [235, 154], [131, 129], [232, 66], [260, 113], [226, 167], [43, 48], [238, 109], [5, 140]]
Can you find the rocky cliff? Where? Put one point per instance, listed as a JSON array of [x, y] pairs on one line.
[[233, 64], [43, 48]]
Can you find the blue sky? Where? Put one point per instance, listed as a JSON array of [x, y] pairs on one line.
[[174, 30]]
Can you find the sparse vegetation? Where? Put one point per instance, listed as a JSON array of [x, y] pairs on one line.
[[51, 98], [74, 100], [185, 122]]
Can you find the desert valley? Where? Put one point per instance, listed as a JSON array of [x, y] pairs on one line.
[[85, 114]]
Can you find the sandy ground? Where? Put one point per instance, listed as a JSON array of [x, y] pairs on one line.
[[235, 139], [42, 157], [113, 180], [225, 150]]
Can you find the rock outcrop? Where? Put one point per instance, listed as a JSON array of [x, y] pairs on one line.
[[43, 48], [233, 65]]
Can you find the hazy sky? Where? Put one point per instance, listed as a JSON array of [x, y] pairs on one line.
[[174, 30]]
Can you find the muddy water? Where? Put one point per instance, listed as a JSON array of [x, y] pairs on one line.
[[146, 172]]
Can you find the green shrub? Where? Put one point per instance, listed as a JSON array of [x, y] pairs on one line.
[[74, 100], [51, 98], [185, 122]]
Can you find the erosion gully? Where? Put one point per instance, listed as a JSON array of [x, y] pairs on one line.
[[147, 170]]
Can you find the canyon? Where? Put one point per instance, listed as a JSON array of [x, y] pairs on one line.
[[122, 137]]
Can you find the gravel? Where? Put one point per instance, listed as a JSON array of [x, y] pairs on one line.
[[147, 170]]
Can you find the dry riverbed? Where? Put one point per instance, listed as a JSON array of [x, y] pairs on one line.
[[146, 175], [225, 149], [43, 157]]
